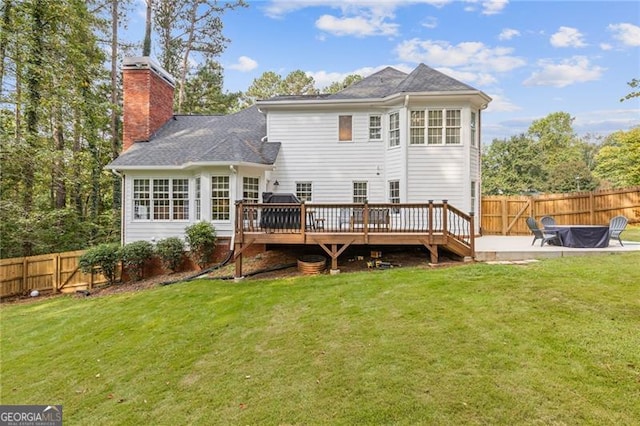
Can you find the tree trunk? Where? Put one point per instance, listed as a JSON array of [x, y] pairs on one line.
[[115, 128], [146, 47], [58, 180]]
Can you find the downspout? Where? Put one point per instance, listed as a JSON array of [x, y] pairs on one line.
[[122, 205], [405, 178]]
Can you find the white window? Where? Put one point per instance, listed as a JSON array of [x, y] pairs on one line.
[[443, 126], [161, 199], [375, 127], [141, 199], [394, 129], [473, 129], [250, 189], [304, 191], [360, 192], [416, 128], [473, 195], [198, 200], [180, 199], [345, 128], [453, 125], [394, 191], [220, 197]]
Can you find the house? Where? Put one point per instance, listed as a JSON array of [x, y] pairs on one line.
[[390, 138]]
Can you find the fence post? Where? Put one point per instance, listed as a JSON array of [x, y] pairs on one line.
[[592, 208], [56, 273], [25, 275], [505, 217], [303, 221]]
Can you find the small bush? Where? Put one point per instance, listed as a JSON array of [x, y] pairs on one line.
[[104, 257], [134, 256], [201, 238], [170, 251]]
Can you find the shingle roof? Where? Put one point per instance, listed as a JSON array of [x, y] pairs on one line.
[[234, 138], [389, 81]]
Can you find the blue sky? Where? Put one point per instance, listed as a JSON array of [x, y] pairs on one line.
[[532, 57]]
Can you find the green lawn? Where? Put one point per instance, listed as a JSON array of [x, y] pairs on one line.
[[631, 233], [553, 342]]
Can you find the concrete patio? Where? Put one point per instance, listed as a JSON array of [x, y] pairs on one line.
[[508, 248]]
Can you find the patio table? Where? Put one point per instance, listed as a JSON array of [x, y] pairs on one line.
[[582, 236]]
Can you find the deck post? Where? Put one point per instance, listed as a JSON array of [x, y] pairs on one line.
[[239, 237], [445, 217], [472, 234], [430, 221], [365, 219], [303, 221]]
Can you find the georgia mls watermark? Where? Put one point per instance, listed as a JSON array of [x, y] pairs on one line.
[[30, 415]]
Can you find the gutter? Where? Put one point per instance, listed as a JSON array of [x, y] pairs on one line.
[[122, 205]]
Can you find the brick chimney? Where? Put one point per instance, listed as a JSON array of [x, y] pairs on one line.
[[147, 99]]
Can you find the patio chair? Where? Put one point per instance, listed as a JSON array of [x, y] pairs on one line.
[[547, 221], [539, 234], [616, 226]]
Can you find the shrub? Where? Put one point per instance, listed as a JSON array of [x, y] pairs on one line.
[[170, 251], [201, 238], [105, 257], [134, 256]]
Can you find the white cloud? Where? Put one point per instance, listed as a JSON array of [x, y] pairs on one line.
[[430, 22], [606, 46], [358, 26], [628, 34], [469, 77], [508, 34], [570, 71], [244, 64], [469, 56], [324, 78], [279, 8], [567, 37], [501, 103], [492, 7]]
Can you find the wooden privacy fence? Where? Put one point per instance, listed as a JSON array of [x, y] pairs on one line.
[[506, 215], [57, 272]]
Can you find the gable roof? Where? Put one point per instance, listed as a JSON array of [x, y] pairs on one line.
[[189, 139], [389, 82]]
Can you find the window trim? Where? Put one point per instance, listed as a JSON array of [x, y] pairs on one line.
[[304, 198], [379, 127], [344, 132], [394, 133], [354, 189], [227, 198], [153, 201], [255, 187]]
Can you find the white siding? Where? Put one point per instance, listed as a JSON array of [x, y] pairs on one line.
[[311, 152], [437, 173]]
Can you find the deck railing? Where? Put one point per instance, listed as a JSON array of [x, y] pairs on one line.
[[368, 218]]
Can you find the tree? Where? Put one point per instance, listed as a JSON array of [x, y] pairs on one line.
[[634, 84], [203, 92], [298, 83], [270, 84], [186, 27], [512, 166], [266, 86], [337, 86], [562, 153], [618, 161]]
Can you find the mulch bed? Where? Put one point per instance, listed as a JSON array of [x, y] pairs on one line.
[[271, 264]]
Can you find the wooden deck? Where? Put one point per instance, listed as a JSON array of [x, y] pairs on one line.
[[335, 227]]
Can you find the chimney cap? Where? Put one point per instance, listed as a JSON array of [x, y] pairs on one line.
[[145, 62]]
